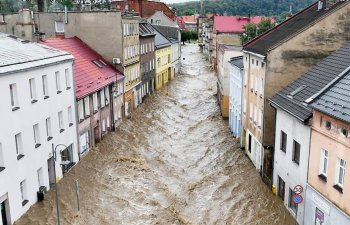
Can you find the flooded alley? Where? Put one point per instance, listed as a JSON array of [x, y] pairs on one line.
[[173, 162]]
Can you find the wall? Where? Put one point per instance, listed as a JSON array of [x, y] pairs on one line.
[[147, 63], [159, 18], [284, 167], [235, 106], [337, 146], [290, 60], [81, 24], [22, 120]]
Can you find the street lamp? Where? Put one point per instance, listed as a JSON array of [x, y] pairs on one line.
[[56, 185]]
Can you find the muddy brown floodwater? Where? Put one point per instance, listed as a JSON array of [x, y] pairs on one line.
[[173, 162]]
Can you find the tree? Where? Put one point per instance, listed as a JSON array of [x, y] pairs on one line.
[[252, 30], [188, 12]]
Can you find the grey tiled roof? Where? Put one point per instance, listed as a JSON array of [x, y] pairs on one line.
[[317, 78], [237, 61], [263, 43], [17, 54], [335, 100], [160, 40], [169, 32], [146, 29]]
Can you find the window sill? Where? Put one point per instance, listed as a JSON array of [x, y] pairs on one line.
[[46, 97], [37, 145], [15, 108], [81, 120], [297, 163], [61, 130], [49, 138], [322, 177], [24, 202], [34, 101], [71, 124], [283, 150], [338, 188], [87, 116], [20, 156], [67, 88], [2, 169], [58, 92], [95, 111]]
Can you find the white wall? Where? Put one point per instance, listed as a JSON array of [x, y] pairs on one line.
[[235, 108], [284, 166], [22, 120]]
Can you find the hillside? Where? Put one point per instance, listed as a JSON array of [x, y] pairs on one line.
[[242, 7]]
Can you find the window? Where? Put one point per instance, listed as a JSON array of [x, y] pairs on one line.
[[328, 125], [86, 107], [108, 125], [102, 98], [107, 95], [19, 146], [40, 174], [262, 64], [283, 145], [281, 187], [251, 111], [36, 135], [95, 102], [23, 190], [58, 82], [14, 99], [103, 126], [32, 90], [60, 121], [296, 152], [66, 72], [48, 129], [340, 172], [45, 87], [257, 62], [59, 26], [2, 164], [70, 116], [253, 61], [323, 165], [81, 110], [292, 205]]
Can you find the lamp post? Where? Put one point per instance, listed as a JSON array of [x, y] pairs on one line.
[[56, 185]]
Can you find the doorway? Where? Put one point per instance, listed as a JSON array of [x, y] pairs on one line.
[[4, 211], [51, 172], [249, 143]]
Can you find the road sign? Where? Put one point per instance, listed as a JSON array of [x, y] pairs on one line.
[[297, 199], [298, 189]]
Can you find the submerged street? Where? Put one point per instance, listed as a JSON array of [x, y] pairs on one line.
[[173, 162]]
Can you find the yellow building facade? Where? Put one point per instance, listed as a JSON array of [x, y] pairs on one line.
[[163, 66]]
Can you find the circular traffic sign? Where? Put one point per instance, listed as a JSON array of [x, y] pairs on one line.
[[297, 199], [298, 189]]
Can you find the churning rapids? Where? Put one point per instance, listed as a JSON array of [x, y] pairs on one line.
[[174, 162]]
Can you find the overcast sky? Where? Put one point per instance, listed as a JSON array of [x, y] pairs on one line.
[[175, 1]]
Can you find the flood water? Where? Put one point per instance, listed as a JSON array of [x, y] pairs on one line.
[[173, 162]]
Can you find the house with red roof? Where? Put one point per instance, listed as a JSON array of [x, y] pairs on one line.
[[187, 22], [275, 59], [99, 89], [227, 30]]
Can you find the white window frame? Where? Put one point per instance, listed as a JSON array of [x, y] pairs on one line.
[[48, 128], [341, 163], [13, 95], [86, 106], [67, 76], [45, 86], [19, 144], [70, 116], [81, 109], [95, 101], [58, 82], [36, 133], [102, 98], [59, 26], [324, 156], [60, 121], [32, 88]]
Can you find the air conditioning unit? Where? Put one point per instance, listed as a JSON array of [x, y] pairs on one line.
[[116, 61]]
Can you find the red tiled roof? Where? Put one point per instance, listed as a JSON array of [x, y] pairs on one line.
[[189, 19], [88, 77], [234, 24]]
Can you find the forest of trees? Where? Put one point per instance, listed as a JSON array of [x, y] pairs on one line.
[[242, 7]]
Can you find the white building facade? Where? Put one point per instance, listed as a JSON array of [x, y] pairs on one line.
[[235, 96], [289, 171], [38, 116], [175, 57]]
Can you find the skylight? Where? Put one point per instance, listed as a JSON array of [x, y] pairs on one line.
[[97, 63]]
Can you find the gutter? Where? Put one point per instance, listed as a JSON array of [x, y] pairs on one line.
[[255, 54]]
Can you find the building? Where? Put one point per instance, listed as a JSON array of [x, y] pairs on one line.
[[144, 8], [163, 60], [225, 53], [227, 30], [207, 37], [120, 48], [293, 127], [97, 83], [38, 111], [235, 96], [159, 18], [187, 22], [147, 58], [327, 192], [275, 59], [173, 34]]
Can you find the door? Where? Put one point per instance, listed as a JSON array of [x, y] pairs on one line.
[[51, 172], [3, 213]]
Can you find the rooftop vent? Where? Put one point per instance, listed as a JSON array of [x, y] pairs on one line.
[[296, 91]]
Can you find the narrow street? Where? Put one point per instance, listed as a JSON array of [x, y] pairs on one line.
[[173, 162]]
